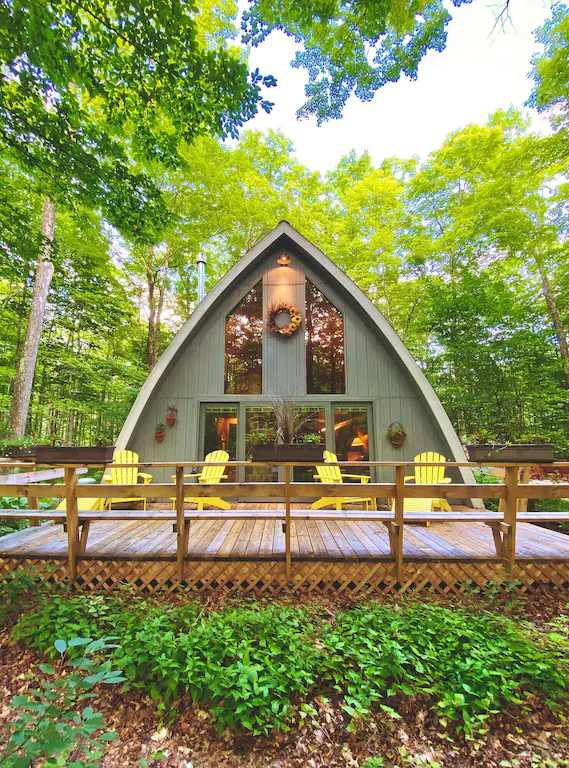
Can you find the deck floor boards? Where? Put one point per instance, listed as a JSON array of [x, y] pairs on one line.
[[231, 539]]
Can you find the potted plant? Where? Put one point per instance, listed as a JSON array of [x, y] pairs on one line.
[[59, 453], [484, 446], [159, 433], [171, 415], [396, 433], [289, 443]]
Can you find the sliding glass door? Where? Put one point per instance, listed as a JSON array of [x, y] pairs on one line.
[[220, 432], [352, 435], [343, 428]]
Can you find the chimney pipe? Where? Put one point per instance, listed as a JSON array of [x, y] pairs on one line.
[[201, 261]]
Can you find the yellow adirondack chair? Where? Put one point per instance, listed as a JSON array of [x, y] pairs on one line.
[[429, 476], [125, 475], [209, 475], [83, 505], [331, 474], [414, 505]]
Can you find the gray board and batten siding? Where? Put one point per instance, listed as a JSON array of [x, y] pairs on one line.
[[379, 369]]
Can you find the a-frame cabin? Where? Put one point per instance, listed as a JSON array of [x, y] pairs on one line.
[[345, 364]]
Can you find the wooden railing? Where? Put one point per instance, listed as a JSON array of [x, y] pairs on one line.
[[503, 523]]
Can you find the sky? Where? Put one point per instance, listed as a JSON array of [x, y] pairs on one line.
[[481, 70]]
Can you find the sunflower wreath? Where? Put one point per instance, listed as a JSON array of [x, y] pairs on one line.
[[286, 330]]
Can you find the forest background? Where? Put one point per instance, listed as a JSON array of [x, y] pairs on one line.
[[106, 199]]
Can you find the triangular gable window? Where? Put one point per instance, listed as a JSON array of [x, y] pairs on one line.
[[324, 331], [244, 345]]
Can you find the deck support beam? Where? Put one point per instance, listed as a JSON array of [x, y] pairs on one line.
[[181, 535], [33, 503], [398, 527], [72, 521], [288, 559], [510, 516]]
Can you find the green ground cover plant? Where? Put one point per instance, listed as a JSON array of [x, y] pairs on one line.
[[470, 665], [56, 720], [261, 667]]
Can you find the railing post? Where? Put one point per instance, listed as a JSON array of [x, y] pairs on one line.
[[181, 545], [33, 503], [398, 521], [510, 516], [525, 477], [72, 518], [288, 492]]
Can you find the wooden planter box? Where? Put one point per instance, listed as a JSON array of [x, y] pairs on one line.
[[524, 453], [19, 452], [75, 454], [277, 452]]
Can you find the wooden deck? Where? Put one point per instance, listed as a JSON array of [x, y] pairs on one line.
[[230, 539]]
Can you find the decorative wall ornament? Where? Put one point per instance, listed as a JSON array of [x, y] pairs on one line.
[[285, 330]]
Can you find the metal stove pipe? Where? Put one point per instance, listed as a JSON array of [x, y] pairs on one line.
[[201, 262]]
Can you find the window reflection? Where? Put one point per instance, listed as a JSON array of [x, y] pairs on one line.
[[324, 332], [312, 432], [244, 345], [260, 428], [351, 434], [220, 433]]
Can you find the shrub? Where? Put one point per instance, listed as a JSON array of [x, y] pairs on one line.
[[260, 667], [252, 665], [53, 721], [98, 615], [484, 477], [471, 665], [61, 615], [15, 589]]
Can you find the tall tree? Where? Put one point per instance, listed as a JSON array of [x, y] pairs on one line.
[[352, 47], [551, 73], [77, 81], [78, 77], [25, 374]]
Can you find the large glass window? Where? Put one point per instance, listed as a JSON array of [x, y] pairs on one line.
[[260, 428], [244, 345], [324, 331], [351, 435], [312, 432], [220, 432]]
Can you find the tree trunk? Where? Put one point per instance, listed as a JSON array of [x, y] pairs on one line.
[[551, 302], [150, 357], [27, 364], [155, 306], [158, 315]]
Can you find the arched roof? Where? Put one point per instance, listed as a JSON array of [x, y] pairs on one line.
[[337, 277]]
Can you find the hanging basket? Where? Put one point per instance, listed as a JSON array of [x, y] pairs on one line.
[[396, 433]]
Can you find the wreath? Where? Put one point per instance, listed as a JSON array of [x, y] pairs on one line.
[[286, 330]]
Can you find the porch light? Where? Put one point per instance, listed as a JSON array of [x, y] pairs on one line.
[[283, 260]]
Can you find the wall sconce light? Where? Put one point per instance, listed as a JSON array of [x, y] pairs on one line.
[[283, 259]]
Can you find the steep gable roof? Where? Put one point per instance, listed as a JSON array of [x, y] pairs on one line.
[[284, 231]]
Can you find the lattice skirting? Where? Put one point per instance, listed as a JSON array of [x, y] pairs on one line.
[[262, 577]]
